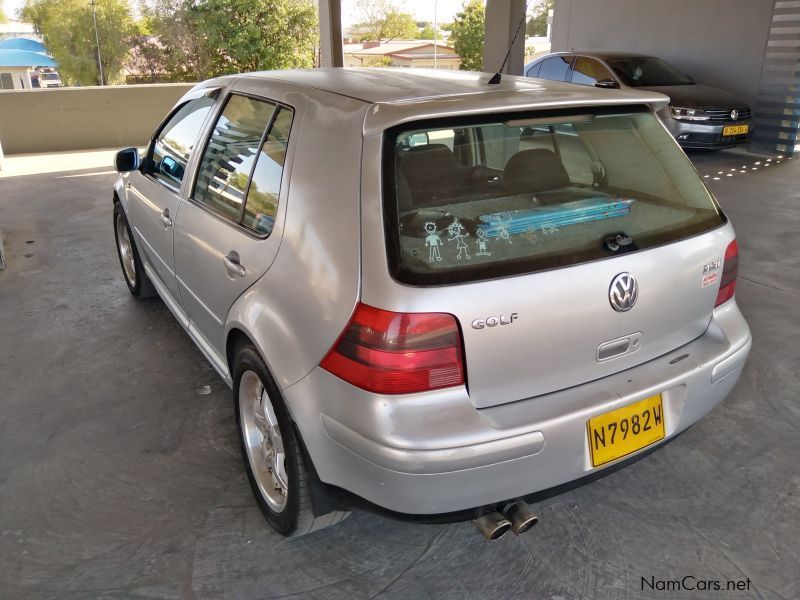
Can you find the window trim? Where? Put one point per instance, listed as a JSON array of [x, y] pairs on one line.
[[537, 67], [190, 197], [144, 169]]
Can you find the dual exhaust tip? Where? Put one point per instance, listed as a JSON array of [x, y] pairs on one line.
[[516, 517]]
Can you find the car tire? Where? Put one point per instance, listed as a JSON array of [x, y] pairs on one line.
[[272, 451], [133, 272]]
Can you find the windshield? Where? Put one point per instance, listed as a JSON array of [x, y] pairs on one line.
[[647, 72], [50, 76], [466, 201]]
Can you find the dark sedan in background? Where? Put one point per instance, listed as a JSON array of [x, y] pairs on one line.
[[698, 116]]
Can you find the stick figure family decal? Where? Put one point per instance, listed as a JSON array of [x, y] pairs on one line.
[[456, 232]]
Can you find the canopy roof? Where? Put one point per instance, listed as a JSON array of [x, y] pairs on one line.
[[22, 44], [24, 58]]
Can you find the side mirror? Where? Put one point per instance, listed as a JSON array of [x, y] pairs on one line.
[[171, 167], [127, 160], [606, 83], [419, 139]]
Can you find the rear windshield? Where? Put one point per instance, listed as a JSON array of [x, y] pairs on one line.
[[466, 200]]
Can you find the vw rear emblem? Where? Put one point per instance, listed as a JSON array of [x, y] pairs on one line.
[[734, 114], [623, 292]]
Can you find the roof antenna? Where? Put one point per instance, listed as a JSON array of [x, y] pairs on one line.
[[495, 80]]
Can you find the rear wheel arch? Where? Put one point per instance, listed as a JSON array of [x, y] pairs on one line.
[[317, 509], [236, 340]]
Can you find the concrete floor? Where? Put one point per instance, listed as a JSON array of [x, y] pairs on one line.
[[120, 474]]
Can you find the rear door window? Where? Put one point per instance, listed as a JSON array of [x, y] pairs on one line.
[[240, 172], [555, 68], [588, 71], [224, 171], [261, 206], [543, 190], [534, 70]]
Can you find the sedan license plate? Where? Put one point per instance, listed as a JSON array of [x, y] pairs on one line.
[[735, 130], [628, 429]]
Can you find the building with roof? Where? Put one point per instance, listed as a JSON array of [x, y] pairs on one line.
[[17, 29], [401, 53], [18, 57]]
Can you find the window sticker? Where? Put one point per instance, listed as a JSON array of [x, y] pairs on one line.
[[530, 234], [457, 234], [503, 222], [433, 242], [482, 243]]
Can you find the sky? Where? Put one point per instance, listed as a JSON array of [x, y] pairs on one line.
[[11, 6], [421, 9]]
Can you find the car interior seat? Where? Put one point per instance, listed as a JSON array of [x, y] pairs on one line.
[[530, 171], [431, 174]]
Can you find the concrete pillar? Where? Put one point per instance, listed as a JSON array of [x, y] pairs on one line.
[[330, 33], [502, 19], [777, 114]]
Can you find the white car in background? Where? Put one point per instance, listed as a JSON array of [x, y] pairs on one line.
[[50, 80]]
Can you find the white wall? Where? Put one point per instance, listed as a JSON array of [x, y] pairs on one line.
[[718, 42], [20, 77], [85, 118]]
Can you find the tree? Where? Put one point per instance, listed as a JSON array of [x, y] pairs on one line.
[[537, 24], [171, 42], [376, 61], [254, 35], [383, 21], [467, 35], [3, 17], [425, 32], [68, 30], [191, 40]]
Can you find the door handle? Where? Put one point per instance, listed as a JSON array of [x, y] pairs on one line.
[[166, 221], [232, 264]]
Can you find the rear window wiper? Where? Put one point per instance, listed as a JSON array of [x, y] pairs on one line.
[[619, 242]]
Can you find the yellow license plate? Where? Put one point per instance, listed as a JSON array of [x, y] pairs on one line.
[[628, 429], [735, 129]]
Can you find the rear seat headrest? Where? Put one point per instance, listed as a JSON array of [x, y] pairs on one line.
[[535, 171]]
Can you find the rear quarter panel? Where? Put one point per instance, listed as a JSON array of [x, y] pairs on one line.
[[298, 309]]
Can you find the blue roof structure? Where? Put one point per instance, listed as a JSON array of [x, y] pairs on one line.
[[23, 44], [25, 58]]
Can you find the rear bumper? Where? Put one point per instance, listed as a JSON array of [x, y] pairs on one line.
[[701, 134], [435, 453]]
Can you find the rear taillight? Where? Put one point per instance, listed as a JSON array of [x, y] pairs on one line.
[[398, 353], [730, 268]]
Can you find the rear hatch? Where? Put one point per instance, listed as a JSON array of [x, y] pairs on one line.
[[569, 245]]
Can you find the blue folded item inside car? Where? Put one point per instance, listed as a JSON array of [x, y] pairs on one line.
[[548, 217]]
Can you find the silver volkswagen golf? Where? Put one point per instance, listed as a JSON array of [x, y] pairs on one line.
[[433, 297]]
